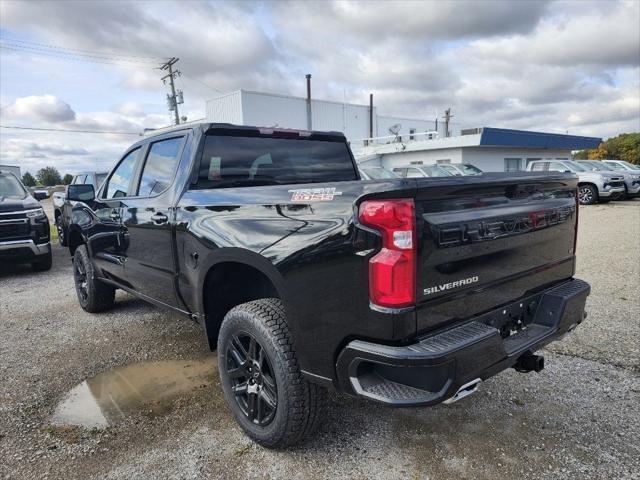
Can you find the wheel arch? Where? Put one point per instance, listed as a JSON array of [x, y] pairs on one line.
[[233, 278], [75, 238]]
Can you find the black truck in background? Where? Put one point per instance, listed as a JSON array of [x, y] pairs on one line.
[[62, 206], [24, 226], [408, 292]]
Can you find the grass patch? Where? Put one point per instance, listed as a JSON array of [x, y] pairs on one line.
[[53, 231]]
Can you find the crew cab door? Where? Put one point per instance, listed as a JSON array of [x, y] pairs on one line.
[[108, 242], [147, 219]]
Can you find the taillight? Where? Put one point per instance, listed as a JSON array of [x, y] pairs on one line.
[[392, 271]]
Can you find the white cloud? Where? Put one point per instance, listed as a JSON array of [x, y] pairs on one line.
[[550, 66], [43, 107]]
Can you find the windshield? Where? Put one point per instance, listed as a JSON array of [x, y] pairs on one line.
[[469, 169], [239, 161], [616, 166], [378, 173], [10, 187], [575, 166], [599, 166], [100, 178], [436, 172], [631, 166]]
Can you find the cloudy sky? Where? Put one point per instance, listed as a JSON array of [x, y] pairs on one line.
[[553, 66]]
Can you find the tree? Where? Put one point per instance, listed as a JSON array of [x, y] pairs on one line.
[[625, 146], [49, 176], [66, 180], [28, 180]]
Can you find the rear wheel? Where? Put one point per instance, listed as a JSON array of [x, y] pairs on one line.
[[93, 295], [262, 382], [587, 194]]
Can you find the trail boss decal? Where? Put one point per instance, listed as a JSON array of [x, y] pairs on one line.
[[313, 194], [449, 286]]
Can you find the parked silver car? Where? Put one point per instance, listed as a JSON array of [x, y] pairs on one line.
[[631, 177], [419, 171], [593, 186], [460, 168], [376, 173]]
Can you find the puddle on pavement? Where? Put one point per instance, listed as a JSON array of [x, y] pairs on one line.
[[151, 387]]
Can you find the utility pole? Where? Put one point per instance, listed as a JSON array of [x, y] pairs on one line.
[[447, 117], [174, 99]]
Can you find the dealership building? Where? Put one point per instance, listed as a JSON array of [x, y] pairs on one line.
[[392, 141]]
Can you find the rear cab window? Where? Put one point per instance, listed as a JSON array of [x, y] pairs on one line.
[[254, 160]]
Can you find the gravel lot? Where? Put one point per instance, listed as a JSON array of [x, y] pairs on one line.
[[579, 418]]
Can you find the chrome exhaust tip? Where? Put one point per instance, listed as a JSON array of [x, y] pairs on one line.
[[464, 391]]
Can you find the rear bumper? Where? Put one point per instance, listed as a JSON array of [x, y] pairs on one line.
[[433, 370]]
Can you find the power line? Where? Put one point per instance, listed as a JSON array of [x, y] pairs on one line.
[[72, 54], [93, 52], [201, 82], [63, 56], [16, 127]]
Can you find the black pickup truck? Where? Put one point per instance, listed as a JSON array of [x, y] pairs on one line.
[[24, 227], [409, 292]]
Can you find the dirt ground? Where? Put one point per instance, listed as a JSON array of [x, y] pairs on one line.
[[579, 418]]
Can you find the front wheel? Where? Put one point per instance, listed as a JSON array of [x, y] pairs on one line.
[[262, 382], [93, 295], [587, 194], [62, 232]]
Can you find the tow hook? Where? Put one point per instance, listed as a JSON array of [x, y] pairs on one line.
[[529, 362]]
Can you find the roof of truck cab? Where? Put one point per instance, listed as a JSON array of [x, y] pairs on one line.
[[205, 126]]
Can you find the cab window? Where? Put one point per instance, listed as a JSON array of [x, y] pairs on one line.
[[120, 180], [159, 167]]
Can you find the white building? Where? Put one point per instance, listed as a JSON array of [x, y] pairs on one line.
[[244, 107], [396, 140], [490, 149]]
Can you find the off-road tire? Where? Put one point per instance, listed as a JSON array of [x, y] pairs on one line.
[[300, 404], [97, 295], [43, 264]]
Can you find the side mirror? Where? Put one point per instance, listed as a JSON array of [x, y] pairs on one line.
[[40, 194], [80, 192]]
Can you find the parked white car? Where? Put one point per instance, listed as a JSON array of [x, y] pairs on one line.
[[376, 173], [460, 168], [593, 186], [419, 171]]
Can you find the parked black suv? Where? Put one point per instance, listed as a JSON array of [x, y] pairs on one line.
[[406, 291], [24, 227]]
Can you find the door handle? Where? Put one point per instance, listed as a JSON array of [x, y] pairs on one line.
[[114, 215], [159, 218]]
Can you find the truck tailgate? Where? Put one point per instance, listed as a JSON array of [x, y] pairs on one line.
[[488, 240]]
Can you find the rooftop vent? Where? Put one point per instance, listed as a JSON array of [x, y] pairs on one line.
[[471, 131]]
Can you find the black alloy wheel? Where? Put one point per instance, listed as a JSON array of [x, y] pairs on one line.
[[252, 378], [80, 277]]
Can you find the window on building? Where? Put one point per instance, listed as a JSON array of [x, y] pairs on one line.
[[512, 164], [412, 132], [443, 160], [416, 162]]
